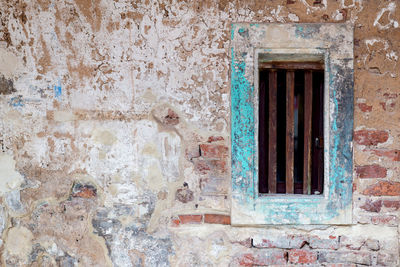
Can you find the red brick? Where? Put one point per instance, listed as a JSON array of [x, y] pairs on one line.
[[372, 206], [383, 188], [287, 241], [302, 256], [370, 137], [393, 204], [175, 222], [190, 218], [215, 139], [324, 243], [392, 154], [371, 171], [364, 107], [216, 166], [385, 219], [213, 151], [202, 167], [262, 258], [217, 219]]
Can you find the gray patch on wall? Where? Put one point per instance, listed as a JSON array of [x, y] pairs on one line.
[[6, 86], [131, 245]]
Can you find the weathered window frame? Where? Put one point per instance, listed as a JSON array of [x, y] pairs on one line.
[[335, 43]]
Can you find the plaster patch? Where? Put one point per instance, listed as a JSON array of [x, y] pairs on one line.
[[9, 63], [10, 179], [104, 137], [63, 116], [19, 242]]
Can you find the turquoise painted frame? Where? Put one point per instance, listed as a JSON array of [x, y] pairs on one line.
[[335, 43]]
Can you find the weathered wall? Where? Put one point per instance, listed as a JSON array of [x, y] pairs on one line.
[[115, 127]]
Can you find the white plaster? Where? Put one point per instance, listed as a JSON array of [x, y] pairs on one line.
[[390, 8], [10, 179], [9, 63], [19, 242]]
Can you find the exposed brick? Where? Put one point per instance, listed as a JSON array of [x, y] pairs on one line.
[[214, 185], [175, 222], [325, 243], [364, 107], [370, 137], [192, 152], [371, 171], [246, 242], [83, 190], [372, 206], [345, 257], [385, 259], [302, 256], [392, 204], [351, 242], [288, 242], [202, 167], [383, 188], [339, 265], [385, 219], [262, 258], [215, 139], [219, 166], [392, 154], [213, 151], [217, 219], [205, 166], [190, 218]]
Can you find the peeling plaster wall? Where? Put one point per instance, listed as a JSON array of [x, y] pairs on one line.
[[115, 135]]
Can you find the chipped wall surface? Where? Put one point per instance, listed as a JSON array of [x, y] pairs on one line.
[[115, 135]]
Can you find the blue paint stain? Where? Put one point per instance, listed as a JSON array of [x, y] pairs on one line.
[[17, 101], [57, 90], [233, 27], [306, 31], [242, 128]]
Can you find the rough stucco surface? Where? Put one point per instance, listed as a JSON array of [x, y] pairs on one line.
[[114, 130]]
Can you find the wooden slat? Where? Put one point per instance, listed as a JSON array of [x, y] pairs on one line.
[[308, 94], [292, 65], [263, 133], [272, 131], [289, 131]]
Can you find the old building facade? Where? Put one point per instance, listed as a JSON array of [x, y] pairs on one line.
[[115, 135]]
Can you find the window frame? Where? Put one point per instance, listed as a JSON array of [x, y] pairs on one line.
[[335, 43]]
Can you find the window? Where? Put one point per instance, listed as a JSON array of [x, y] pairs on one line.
[[269, 58], [290, 131]]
